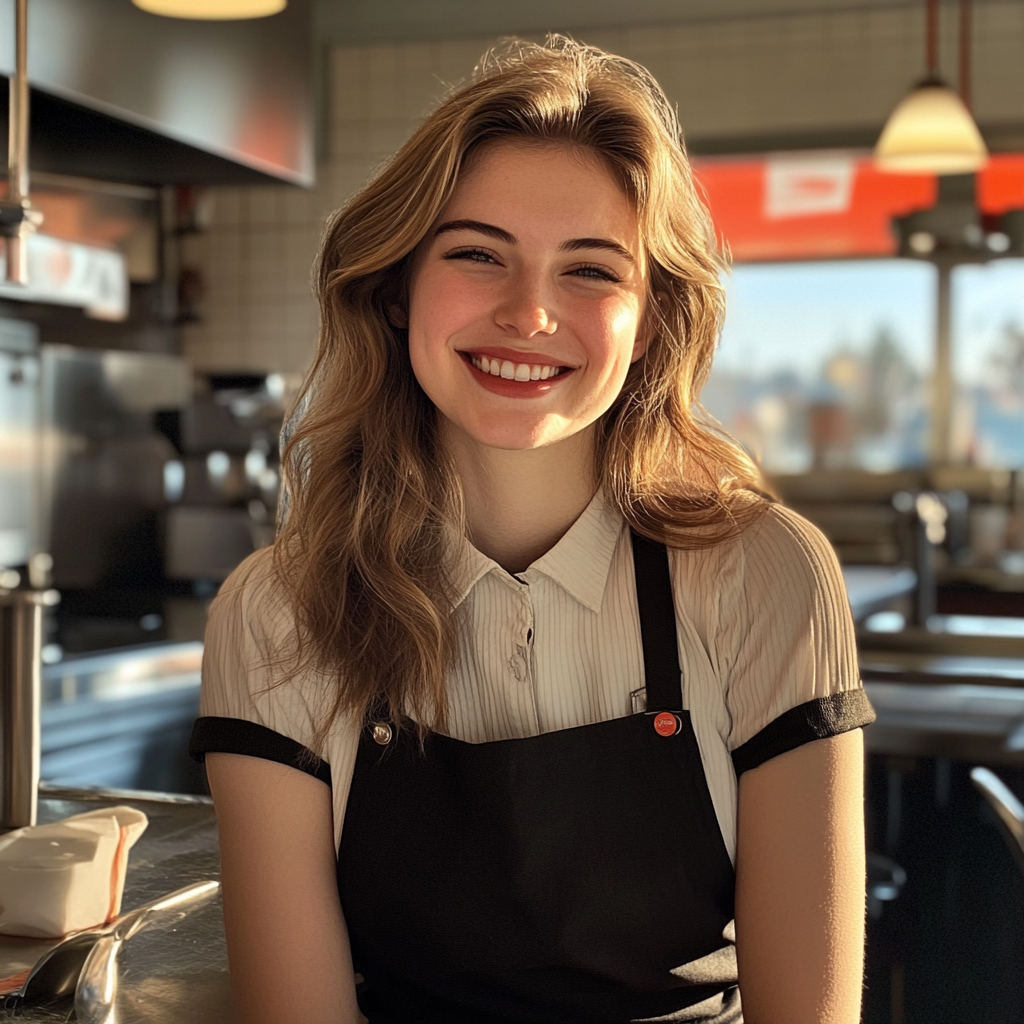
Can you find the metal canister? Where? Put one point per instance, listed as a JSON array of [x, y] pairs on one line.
[[21, 633]]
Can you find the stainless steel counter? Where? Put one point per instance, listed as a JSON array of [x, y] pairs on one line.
[[178, 975]]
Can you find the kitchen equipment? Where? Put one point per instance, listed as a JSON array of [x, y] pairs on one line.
[[120, 95], [40, 970], [103, 463]]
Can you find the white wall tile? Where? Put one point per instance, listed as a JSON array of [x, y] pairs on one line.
[[227, 207], [382, 79], [266, 205], [346, 82]]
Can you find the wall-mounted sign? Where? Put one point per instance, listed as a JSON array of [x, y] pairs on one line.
[[71, 274], [830, 205]]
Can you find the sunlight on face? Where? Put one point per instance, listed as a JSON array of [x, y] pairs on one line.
[[526, 297]]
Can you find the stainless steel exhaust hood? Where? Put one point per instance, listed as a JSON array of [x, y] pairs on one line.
[[122, 95]]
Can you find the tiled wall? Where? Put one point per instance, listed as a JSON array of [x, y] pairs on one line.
[[742, 76]]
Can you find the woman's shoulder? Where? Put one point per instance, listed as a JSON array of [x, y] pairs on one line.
[[774, 555], [252, 596], [765, 533], [251, 665], [782, 550]]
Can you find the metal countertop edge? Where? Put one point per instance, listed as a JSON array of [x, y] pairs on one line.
[[96, 793]]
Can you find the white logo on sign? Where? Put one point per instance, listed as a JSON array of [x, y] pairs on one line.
[[802, 186]]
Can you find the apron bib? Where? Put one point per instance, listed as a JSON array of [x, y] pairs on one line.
[[576, 877]]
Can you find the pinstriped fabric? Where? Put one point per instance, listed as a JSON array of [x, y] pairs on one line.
[[762, 620]]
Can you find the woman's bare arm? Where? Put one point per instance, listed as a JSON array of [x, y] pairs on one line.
[[287, 943], [800, 879]]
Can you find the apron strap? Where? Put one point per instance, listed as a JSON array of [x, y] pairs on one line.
[[657, 625]]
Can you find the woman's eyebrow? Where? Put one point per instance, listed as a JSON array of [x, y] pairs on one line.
[[598, 243], [491, 230]]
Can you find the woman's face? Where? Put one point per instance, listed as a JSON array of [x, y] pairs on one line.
[[526, 297]]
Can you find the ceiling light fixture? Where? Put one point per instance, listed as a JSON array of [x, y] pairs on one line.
[[931, 130], [212, 10]]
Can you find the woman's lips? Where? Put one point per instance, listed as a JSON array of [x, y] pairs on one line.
[[514, 379], [510, 370]]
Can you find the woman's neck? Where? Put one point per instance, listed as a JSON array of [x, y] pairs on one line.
[[520, 503]]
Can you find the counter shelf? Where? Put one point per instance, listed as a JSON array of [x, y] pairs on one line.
[[945, 695]]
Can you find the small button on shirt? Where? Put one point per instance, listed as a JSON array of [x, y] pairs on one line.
[[763, 626]]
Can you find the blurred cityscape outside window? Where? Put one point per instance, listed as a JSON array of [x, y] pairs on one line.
[[828, 364], [988, 361]]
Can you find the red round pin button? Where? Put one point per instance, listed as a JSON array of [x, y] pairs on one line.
[[666, 724]]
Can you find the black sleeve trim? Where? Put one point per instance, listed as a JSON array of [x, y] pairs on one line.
[[236, 736], [813, 720]]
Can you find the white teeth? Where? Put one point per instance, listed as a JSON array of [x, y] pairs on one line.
[[514, 371]]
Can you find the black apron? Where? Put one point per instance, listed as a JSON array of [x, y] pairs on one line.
[[576, 877]]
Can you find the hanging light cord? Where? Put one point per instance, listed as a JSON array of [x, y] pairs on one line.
[[964, 76], [931, 46]]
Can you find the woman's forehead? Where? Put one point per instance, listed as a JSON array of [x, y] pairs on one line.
[[562, 186], [557, 154]]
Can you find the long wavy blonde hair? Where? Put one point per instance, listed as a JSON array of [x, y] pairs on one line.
[[364, 552]]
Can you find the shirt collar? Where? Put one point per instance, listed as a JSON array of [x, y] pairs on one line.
[[579, 563]]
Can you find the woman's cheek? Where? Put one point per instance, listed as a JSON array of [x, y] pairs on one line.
[[616, 323]]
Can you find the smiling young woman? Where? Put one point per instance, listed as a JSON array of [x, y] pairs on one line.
[[538, 710]]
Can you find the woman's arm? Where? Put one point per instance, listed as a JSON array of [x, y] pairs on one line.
[[800, 878], [287, 943]]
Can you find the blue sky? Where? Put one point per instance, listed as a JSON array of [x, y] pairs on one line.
[[985, 299], [791, 315]]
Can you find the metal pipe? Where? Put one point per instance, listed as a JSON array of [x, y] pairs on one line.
[[17, 138], [942, 382], [21, 632], [17, 218]]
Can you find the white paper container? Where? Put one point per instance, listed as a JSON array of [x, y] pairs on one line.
[[68, 875]]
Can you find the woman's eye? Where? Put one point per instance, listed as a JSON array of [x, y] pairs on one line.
[[595, 273], [473, 255]]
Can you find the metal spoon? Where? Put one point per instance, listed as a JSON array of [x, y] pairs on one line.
[[63, 966], [97, 984]]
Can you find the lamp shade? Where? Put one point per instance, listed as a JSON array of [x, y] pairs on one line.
[[931, 131], [212, 10]]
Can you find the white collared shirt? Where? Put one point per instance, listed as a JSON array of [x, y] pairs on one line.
[[763, 626]]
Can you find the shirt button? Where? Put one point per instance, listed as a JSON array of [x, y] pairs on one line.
[[382, 733]]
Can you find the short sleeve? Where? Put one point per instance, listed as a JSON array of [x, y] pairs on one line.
[[247, 704], [793, 675]]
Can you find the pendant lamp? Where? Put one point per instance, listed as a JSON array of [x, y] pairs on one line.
[[212, 10], [931, 130]]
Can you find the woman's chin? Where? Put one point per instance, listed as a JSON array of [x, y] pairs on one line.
[[510, 437]]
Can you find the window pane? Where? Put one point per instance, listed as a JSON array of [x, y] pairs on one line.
[[988, 363], [827, 364]]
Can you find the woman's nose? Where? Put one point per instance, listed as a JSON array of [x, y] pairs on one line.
[[526, 309]]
